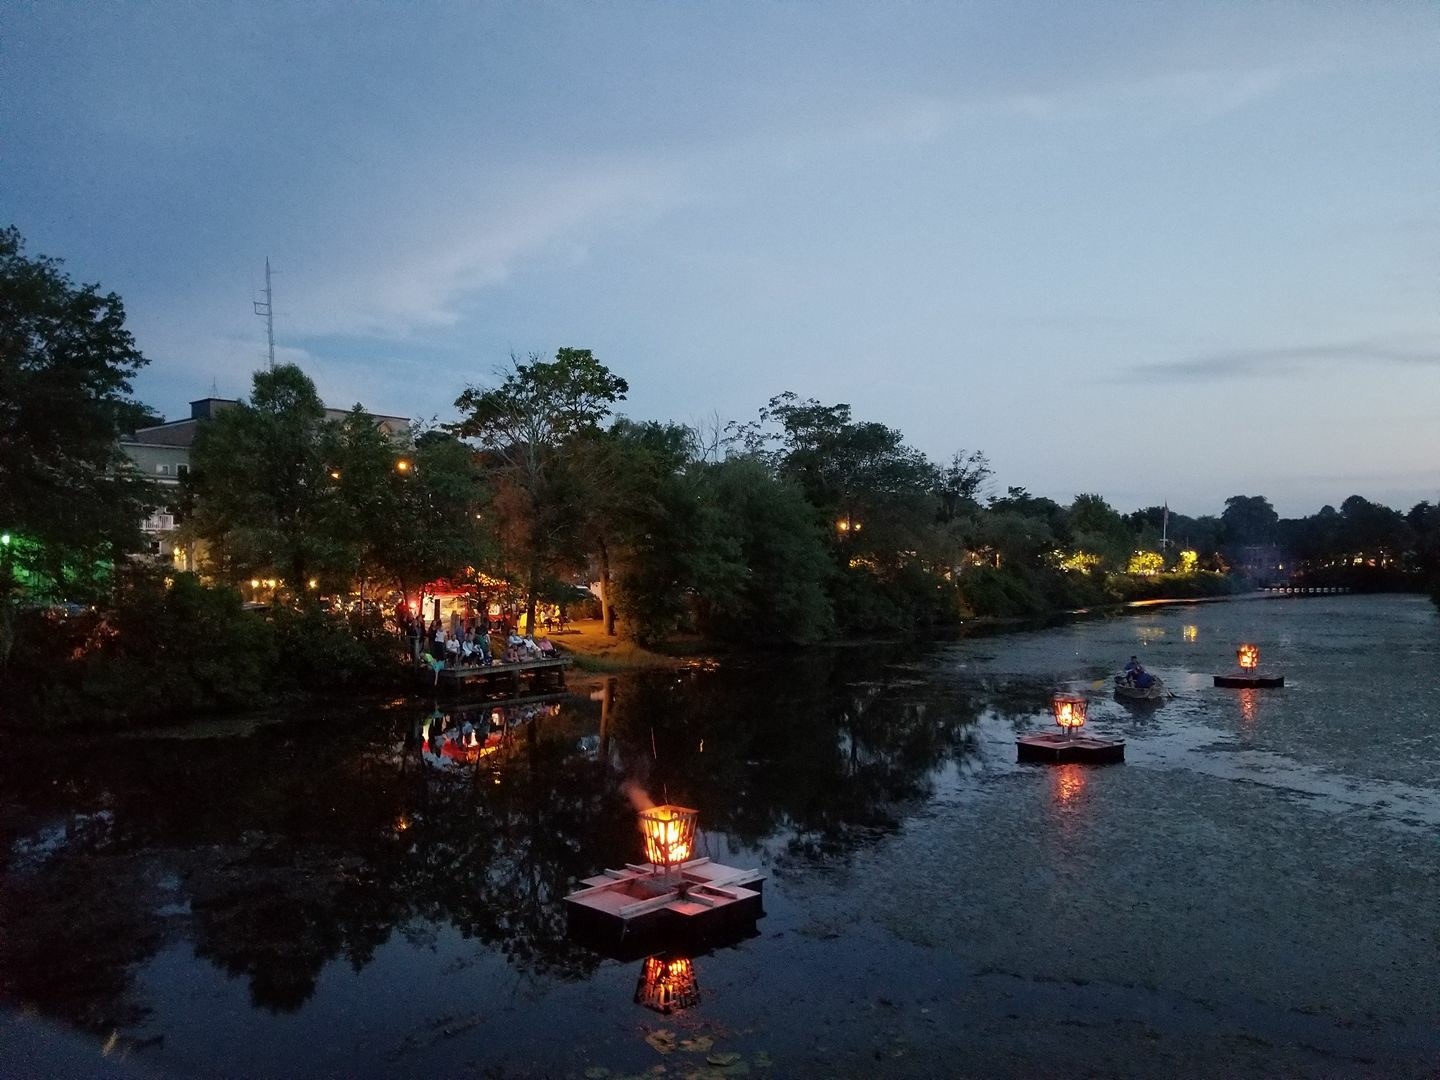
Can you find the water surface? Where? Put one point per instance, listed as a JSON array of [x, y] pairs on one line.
[[1253, 893]]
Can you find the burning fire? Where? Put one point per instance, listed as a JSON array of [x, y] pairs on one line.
[[669, 833], [1069, 711], [1248, 657]]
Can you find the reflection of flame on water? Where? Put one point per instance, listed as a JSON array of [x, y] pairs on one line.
[[1069, 782], [1247, 707], [1191, 632], [667, 984]]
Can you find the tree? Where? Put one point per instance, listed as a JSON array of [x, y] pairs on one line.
[[1249, 519], [647, 522], [263, 494], [960, 484], [441, 525], [70, 504], [761, 574], [530, 429], [1099, 529]]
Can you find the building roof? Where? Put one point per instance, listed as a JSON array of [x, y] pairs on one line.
[[181, 433], [175, 433]]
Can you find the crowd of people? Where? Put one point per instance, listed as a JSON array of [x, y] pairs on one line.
[[467, 643]]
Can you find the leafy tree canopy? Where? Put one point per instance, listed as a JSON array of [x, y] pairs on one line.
[[68, 497]]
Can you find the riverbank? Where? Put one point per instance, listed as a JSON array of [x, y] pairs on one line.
[[586, 643]]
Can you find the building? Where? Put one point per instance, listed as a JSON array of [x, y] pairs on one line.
[[162, 452]]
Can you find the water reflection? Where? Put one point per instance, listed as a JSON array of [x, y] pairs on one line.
[[1248, 704], [301, 845], [667, 983], [1068, 783]]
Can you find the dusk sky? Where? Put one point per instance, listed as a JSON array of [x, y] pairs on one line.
[[1155, 251]]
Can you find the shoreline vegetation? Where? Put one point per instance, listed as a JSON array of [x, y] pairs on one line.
[[283, 561]]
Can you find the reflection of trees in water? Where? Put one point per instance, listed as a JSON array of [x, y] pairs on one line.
[[819, 749], [304, 844], [290, 849]]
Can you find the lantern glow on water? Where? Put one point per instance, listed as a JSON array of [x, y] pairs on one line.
[[1069, 711], [667, 984], [669, 833], [1248, 657]]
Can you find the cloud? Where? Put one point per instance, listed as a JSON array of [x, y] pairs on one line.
[[472, 230], [1290, 360]]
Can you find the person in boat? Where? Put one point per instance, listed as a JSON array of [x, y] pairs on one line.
[[1136, 675]]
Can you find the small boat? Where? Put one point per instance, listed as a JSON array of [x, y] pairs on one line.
[[1128, 691]]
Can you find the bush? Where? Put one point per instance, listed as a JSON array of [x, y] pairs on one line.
[[167, 647], [320, 651]]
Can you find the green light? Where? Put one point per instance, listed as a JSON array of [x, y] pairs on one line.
[[5, 539]]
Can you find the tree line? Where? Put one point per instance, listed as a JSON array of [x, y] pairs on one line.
[[803, 523]]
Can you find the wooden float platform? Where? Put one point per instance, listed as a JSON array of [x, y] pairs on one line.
[[499, 677], [1249, 681], [698, 901], [1058, 748]]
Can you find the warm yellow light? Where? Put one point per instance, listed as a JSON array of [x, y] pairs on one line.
[[254, 583], [842, 525], [1069, 711], [1146, 563], [667, 984], [402, 465], [334, 474], [312, 583], [270, 583], [1248, 656], [669, 833], [1187, 563], [1081, 562]]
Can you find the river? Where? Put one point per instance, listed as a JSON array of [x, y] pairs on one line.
[[1253, 893]]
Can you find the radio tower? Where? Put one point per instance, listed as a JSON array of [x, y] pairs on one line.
[[267, 308]]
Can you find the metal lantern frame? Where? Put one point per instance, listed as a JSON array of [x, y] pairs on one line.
[[1069, 710], [1248, 657], [669, 833]]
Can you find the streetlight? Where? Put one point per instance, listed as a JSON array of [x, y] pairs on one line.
[[403, 465]]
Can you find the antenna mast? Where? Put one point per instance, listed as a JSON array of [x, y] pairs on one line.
[[266, 308]]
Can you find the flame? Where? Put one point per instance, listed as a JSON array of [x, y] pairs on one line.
[[1248, 656], [669, 833], [1069, 711]]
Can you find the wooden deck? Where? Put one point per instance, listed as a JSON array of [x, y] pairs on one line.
[[1250, 681], [1057, 748], [498, 678]]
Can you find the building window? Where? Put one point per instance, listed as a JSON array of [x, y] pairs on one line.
[[163, 470], [182, 470]]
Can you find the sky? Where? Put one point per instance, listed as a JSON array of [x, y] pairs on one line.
[[1161, 252]]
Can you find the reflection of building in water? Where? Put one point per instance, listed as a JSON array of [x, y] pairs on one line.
[[667, 984]]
